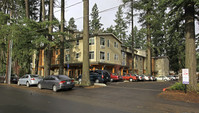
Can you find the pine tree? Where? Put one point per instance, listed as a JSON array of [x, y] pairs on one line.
[[95, 25], [71, 24], [186, 11], [120, 27]]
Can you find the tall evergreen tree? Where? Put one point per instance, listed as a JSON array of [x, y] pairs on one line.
[[186, 11], [95, 25], [120, 27], [71, 24]]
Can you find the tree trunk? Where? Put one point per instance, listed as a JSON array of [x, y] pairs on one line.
[[27, 9], [190, 48], [48, 51], [43, 10], [61, 61], [85, 69], [148, 49], [133, 55]]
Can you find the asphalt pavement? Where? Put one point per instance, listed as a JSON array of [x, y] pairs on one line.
[[116, 97]]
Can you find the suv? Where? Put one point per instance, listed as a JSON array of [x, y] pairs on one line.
[[104, 74], [95, 78]]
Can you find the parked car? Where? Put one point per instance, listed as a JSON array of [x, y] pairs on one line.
[[95, 78], [14, 78], [130, 77], [152, 78], [29, 80], [115, 77], [171, 77], [176, 77], [140, 78], [145, 77], [164, 78], [56, 82], [104, 74]]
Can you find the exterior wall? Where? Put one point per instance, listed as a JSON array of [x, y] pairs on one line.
[[139, 64], [111, 50], [162, 66]]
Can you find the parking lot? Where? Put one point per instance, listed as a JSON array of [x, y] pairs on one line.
[[116, 97]]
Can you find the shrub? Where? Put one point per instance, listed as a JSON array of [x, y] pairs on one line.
[[178, 86]]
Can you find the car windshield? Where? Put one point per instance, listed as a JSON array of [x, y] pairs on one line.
[[63, 77], [33, 76]]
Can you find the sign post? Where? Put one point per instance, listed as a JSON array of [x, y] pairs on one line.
[[185, 78]]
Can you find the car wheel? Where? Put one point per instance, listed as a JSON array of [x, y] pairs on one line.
[[131, 80], [18, 83], [96, 81], [39, 86], [55, 88], [165, 79], [27, 84], [111, 80]]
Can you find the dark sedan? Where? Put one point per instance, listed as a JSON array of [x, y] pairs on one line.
[[56, 82]]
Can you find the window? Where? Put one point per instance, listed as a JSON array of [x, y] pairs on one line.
[[67, 57], [102, 41], [116, 44], [91, 41], [102, 57], [78, 35], [91, 55], [77, 55], [108, 56], [123, 54], [116, 57], [77, 42], [108, 43]]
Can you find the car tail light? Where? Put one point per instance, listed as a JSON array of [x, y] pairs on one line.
[[62, 82], [102, 76], [72, 80], [32, 78]]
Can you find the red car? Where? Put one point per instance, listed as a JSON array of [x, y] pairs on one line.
[[115, 77], [130, 77]]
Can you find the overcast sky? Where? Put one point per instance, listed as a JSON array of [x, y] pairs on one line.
[[107, 17]]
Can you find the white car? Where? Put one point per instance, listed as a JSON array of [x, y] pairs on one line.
[[164, 78], [29, 79], [171, 77]]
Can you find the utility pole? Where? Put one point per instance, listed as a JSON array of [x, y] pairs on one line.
[[85, 68]]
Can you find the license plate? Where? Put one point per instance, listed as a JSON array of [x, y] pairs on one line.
[[68, 82]]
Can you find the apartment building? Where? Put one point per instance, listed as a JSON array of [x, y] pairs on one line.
[[105, 52]]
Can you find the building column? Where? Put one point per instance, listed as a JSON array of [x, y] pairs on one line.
[[93, 68], [127, 71], [102, 67], [122, 69], [113, 70]]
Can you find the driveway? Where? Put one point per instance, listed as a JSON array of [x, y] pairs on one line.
[[117, 97]]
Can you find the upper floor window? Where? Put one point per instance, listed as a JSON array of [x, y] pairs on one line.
[[108, 56], [102, 55], [116, 44], [78, 35], [108, 43], [116, 57], [77, 43], [77, 55], [102, 41], [91, 41], [67, 57], [123, 54], [91, 55]]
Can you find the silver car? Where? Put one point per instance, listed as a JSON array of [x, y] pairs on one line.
[[29, 80]]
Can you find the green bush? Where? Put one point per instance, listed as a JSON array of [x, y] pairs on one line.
[[178, 86]]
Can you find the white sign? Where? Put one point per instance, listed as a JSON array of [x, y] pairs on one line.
[[185, 76]]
